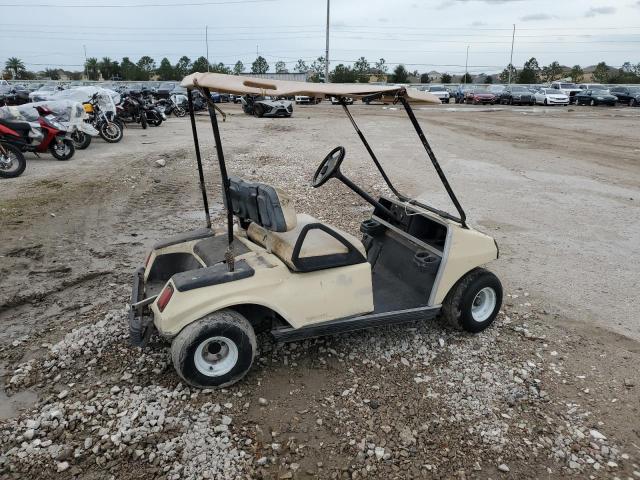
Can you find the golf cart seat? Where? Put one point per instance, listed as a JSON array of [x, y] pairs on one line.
[[311, 245], [302, 242]]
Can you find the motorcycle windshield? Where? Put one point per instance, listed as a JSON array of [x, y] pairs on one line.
[[403, 159]]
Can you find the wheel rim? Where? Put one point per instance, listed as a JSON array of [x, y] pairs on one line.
[[9, 163], [111, 131], [62, 149], [216, 356], [483, 304]]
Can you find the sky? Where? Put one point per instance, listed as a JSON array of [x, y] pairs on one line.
[[424, 35]]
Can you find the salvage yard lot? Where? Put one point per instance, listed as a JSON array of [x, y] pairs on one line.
[[548, 391]]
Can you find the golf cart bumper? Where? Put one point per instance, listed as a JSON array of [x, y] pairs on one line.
[[140, 325]]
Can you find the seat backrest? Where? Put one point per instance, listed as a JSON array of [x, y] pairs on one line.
[[263, 204]]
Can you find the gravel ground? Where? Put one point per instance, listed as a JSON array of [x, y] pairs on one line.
[[539, 395]]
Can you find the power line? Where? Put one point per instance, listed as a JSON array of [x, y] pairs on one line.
[[144, 5]]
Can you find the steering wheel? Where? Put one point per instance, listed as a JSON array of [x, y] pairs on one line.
[[329, 167]]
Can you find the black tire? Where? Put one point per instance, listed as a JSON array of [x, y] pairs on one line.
[[181, 112], [633, 103], [457, 307], [18, 162], [545, 102], [143, 121], [258, 111], [63, 151], [225, 331], [111, 132], [81, 140]]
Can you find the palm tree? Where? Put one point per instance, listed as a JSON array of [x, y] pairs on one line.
[[15, 65], [91, 66]]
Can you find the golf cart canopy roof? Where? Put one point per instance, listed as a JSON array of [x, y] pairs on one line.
[[242, 85]]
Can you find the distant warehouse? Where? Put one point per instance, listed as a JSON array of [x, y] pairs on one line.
[[297, 77]]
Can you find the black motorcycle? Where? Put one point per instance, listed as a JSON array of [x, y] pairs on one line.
[[170, 106]]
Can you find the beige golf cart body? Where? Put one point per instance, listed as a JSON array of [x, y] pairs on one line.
[[254, 267]]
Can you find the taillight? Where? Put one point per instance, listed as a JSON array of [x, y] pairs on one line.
[[164, 297]]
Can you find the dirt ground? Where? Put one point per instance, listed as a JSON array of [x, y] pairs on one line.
[[557, 187]]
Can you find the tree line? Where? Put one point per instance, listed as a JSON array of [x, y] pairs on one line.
[[532, 73], [360, 71]]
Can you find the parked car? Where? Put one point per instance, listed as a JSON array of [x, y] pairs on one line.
[[551, 96], [496, 90], [299, 99], [592, 86], [596, 97], [480, 96], [439, 91], [266, 107], [461, 91], [629, 95], [516, 95], [336, 101], [568, 88]]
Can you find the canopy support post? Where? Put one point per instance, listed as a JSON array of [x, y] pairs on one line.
[[369, 149], [434, 160], [203, 188], [225, 181]]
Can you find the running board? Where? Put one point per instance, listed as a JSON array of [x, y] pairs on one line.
[[332, 327]]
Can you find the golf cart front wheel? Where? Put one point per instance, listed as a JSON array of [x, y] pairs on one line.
[[474, 301], [215, 351]]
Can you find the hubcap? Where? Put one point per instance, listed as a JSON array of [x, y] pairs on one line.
[[483, 304], [216, 356], [7, 161]]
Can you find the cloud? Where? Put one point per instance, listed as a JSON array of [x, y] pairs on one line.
[[595, 11], [383, 20], [478, 23], [535, 17]]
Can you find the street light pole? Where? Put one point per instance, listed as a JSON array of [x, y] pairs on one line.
[[86, 72], [206, 39], [513, 37], [326, 53], [466, 66]]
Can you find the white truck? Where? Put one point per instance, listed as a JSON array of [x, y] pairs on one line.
[[568, 88]]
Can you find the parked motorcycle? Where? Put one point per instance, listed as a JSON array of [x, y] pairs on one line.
[[103, 119], [72, 116], [36, 129], [131, 110], [172, 105]]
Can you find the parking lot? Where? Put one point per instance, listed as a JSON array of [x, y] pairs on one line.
[[558, 187]]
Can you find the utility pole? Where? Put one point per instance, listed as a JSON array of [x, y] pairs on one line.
[[86, 72], [326, 52], [513, 37], [206, 39], [466, 66]]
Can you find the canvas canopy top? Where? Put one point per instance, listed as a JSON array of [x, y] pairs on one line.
[[242, 85]]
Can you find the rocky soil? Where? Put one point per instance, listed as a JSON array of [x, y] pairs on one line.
[[538, 395]]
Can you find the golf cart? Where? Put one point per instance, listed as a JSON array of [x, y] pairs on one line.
[[296, 276]]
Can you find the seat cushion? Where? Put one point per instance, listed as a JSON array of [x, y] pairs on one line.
[[317, 244]]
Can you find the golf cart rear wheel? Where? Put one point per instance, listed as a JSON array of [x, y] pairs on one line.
[[474, 302], [215, 351]]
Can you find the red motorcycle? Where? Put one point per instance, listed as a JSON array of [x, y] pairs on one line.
[[51, 134], [12, 161]]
